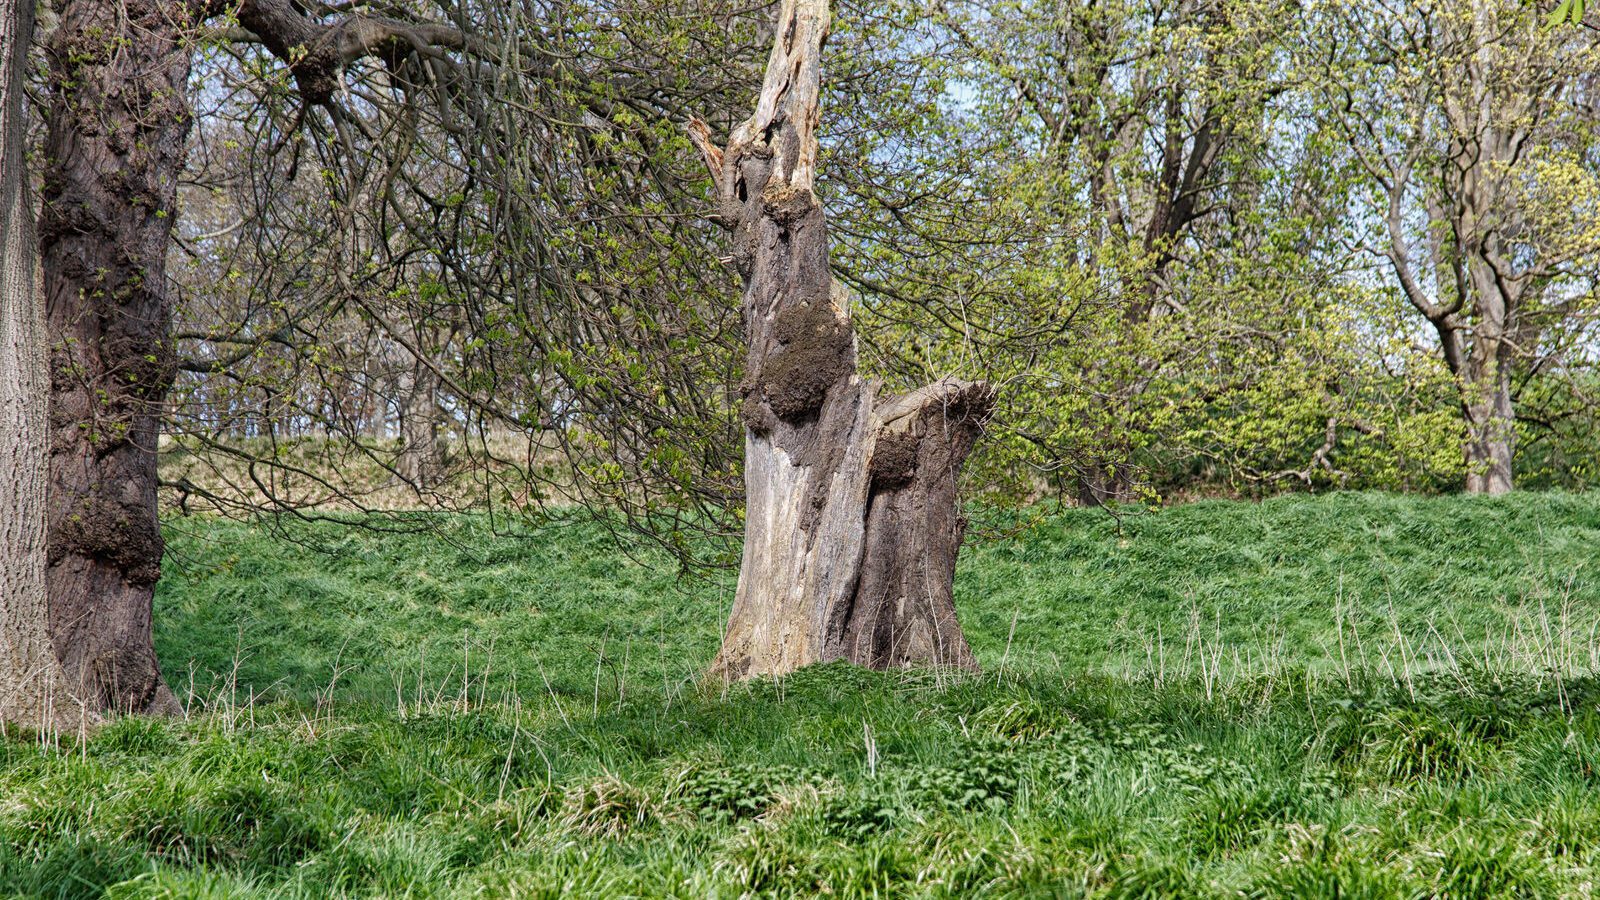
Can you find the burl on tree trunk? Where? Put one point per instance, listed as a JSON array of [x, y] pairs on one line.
[[118, 119], [852, 523]]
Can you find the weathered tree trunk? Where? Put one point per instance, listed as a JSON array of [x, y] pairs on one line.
[[852, 523], [118, 119], [903, 612], [33, 687]]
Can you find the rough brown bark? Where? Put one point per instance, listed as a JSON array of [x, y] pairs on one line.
[[851, 519], [118, 119], [903, 612], [33, 687]]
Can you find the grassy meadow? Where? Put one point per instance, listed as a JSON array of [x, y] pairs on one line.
[[1350, 695]]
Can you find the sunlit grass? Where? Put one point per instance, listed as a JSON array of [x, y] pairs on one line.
[[1345, 696]]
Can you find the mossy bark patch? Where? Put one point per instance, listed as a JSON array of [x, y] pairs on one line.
[[815, 351]]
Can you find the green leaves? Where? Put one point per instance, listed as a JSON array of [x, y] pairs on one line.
[[1568, 11]]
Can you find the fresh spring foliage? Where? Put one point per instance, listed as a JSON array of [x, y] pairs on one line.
[[1199, 248], [1347, 695]]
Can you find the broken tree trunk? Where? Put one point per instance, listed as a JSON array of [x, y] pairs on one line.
[[852, 523]]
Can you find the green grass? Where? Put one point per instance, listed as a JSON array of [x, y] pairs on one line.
[[1343, 696]]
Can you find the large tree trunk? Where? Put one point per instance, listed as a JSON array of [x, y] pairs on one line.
[[852, 523], [903, 612], [118, 122], [33, 687]]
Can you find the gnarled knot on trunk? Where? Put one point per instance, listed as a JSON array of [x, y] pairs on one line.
[[318, 72], [894, 459], [786, 204], [102, 527]]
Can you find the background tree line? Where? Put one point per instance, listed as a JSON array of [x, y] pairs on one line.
[[1227, 247]]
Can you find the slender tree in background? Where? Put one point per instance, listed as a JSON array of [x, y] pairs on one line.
[[852, 523], [1153, 114], [33, 688], [1475, 128]]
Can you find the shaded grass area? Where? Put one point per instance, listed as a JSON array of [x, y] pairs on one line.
[[1167, 711]]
